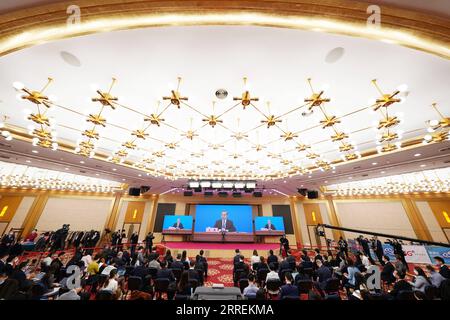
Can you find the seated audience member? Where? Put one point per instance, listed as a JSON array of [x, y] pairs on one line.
[[317, 255], [322, 273], [387, 273], [93, 267], [194, 274], [400, 284], [291, 260], [252, 288], [273, 274], [154, 263], [272, 258], [86, 258], [48, 260], [57, 263], [305, 263], [254, 258], [351, 273], [118, 260], [111, 283], [284, 267], [183, 288], [421, 280], [177, 264], [168, 258], [107, 270], [443, 269], [165, 273], [262, 264], [288, 289], [72, 294], [32, 236], [140, 258], [435, 277]]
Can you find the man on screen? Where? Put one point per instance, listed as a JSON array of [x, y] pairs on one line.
[[269, 225], [224, 224], [178, 224]]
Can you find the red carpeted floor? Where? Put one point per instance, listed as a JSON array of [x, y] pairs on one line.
[[221, 246], [220, 270]]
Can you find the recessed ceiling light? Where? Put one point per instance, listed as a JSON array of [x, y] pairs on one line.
[[374, 163], [350, 177], [28, 161], [139, 175], [333, 171], [70, 59], [34, 151], [114, 169], [309, 176], [123, 179], [383, 171], [66, 168], [334, 55], [417, 155], [97, 174], [284, 181], [326, 181], [81, 161], [423, 165]]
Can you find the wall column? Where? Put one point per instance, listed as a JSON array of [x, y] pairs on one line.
[[334, 219], [297, 231], [34, 213], [414, 216], [151, 219]]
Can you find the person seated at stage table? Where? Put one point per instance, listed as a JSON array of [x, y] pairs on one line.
[[178, 225], [271, 258], [269, 225], [273, 274], [177, 264], [288, 289], [225, 224], [443, 269]]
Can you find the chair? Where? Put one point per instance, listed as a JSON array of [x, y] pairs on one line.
[[261, 275], [304, 286], [193, 283], [243, 283], [332, 286], [134, 283], [273, 286], [129, 270], [431, 292], [405, 295], [308, 272], [104, 295], [153, 272], [177, 273], [161, 286]]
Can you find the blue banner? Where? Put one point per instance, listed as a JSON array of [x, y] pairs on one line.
[[442, 252]]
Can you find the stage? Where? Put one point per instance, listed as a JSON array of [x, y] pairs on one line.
[[220, 250]]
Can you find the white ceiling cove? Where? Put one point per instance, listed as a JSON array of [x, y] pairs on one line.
[[277, 63]]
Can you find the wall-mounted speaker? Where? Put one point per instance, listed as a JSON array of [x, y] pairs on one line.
[[237, 195], [222, 194], [135, 192], [144, 189], [208, 193], [313, 194], [188, 193], [302, 191], [257, 194]]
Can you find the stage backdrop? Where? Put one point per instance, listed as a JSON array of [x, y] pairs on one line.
[[206, 216]]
